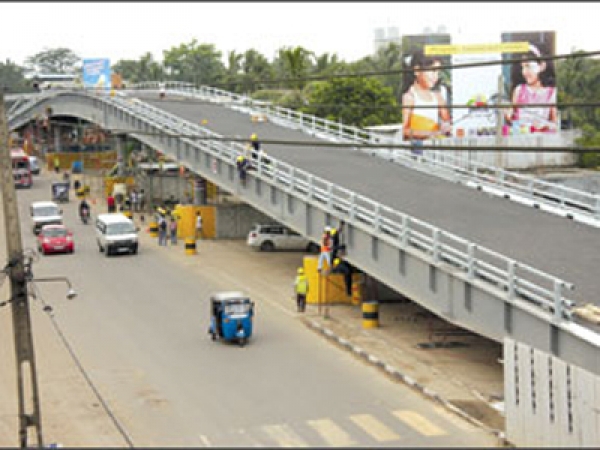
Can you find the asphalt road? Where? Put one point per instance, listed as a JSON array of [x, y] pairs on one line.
[[139, 330], [555, 245]]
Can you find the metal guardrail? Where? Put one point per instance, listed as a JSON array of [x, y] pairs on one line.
[[514, 279], [471, 173]]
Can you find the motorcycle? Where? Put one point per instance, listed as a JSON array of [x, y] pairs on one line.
[[85, 215]]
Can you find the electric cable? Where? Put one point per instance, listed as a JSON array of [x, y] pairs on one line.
[[48, 310]]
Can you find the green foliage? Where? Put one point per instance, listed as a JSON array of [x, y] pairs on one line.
[[58, 60], [12, 78], [355, 101], [198, 64], [578, 81]]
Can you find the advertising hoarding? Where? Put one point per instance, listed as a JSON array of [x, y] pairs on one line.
[[531, 82], [425, 93], [96, 73]]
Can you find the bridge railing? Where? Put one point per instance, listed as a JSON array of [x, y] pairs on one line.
[[514, 279], [470, 172]]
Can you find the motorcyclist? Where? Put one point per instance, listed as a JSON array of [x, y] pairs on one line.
[[84, 210]]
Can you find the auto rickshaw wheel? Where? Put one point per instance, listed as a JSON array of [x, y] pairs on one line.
[[243, 341]]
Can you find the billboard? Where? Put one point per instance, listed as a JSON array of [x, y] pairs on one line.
[[96, 73], [426, 88], [531, 81]]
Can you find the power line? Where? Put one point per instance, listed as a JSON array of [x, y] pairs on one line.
[[411, 70], [353, 145], [79, 365]]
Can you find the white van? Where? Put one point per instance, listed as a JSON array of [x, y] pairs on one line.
[[116, 233], [44, 213]]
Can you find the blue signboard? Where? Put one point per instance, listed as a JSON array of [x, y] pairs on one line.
[[96, 73]]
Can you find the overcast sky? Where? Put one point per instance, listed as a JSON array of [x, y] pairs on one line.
[[119, 30]]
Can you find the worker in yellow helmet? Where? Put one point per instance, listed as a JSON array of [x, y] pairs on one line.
[[340, 266], [301, 288], [254, 146]]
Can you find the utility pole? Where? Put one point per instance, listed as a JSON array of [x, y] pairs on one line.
[[29, 408]]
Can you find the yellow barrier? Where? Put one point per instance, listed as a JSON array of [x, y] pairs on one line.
[[153, 229], [190, 246], [370, 312], [128, 214], [324, 289]]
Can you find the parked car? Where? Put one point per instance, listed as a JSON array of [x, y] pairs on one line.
[[55, 239], [44, 213], [270, 237], [34, 165]]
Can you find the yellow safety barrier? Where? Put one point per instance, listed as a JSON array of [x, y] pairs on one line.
[[153, 229], [370, 312], [356, 291], [128, 214], [190, 246]]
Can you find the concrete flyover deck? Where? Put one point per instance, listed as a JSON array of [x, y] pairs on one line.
[[555, 245]]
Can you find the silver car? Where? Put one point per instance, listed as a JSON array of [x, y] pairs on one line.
[[270, 237]]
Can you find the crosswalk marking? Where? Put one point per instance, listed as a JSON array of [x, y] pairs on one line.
[[419, 423], [331, 433], [374, 427], [284, 436]]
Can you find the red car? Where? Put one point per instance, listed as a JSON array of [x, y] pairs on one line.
[[55, 239]]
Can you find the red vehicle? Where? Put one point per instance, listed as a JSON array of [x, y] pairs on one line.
[[21, 168], [55, 239]]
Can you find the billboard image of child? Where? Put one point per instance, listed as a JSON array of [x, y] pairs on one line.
[[425, 90], [532, 81]]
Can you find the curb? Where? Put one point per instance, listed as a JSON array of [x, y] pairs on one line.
[[396, 374]]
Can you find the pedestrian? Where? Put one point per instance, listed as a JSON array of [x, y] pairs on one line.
[[198, 225], [56, 164], [133, 200], [162, 230], [110, 202], [325, 249], [173, 230], [141, 198], [301, 288]]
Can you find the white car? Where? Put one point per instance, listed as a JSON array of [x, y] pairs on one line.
[[44, 213], [34, 165], [270, 237]]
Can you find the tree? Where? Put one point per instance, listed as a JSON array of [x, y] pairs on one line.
[[199, 64], [12, 77], [294, 63], [255, 67], [58, 60], [233, 71], [354, 101]]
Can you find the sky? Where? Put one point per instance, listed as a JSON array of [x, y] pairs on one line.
[[127, 30]]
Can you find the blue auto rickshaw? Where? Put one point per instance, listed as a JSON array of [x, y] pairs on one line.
[[231, 315]]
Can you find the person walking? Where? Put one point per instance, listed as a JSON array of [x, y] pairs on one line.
[[56, 164], [301, 288], [173, 230], [162, 230], [198, 225], [133, 199], [110, 202]]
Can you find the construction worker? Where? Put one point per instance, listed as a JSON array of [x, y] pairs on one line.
[[254, 145], [344, 268], [336, 245], [325, 249], [243, 166], [301, 288]]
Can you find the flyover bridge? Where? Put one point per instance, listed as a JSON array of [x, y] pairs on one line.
[[491, 265]]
